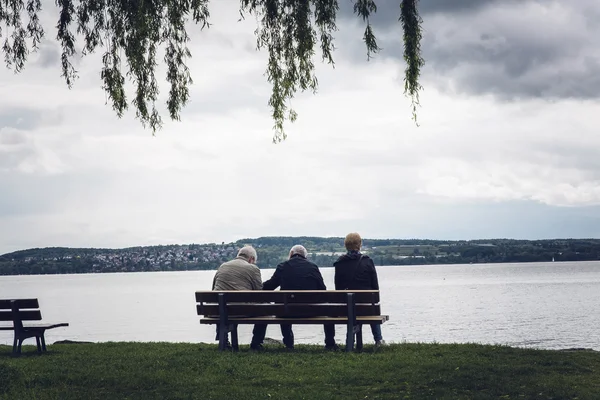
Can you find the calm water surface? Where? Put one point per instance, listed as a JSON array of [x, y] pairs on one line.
[[538, 305]]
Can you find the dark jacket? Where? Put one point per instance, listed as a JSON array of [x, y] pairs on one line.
[[297, 273], [355, 275]]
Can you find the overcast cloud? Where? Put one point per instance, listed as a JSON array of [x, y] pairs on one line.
[[507, 145]]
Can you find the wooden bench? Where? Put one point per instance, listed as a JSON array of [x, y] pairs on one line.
[[228, 309], [24, 310]]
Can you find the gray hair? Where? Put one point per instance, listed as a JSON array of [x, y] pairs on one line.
[[248, 252], [299, 249]]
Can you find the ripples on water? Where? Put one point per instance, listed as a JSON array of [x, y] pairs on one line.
[[537, 305]]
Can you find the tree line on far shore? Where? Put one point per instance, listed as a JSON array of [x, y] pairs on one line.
[[273, 250]]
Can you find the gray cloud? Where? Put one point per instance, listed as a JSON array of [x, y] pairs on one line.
[[582, 157], [12, 159], [228, 98], [28, 119], [21, 194], [11, 137], [48, 55], [518, 220], [19, 118], [388, 11], [454, 6], [423, 217], [14, 149], [512, 60], [513, 50]]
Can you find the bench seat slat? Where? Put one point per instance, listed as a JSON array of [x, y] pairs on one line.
[[47, 326], [36, 326], [21, 303], [311, 321], [25, 315], [289, 296], [293, 309]]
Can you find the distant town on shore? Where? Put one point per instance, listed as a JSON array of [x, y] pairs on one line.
[[273, 250]]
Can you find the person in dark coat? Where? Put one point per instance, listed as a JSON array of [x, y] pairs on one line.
[[356, 271], [297, 273]]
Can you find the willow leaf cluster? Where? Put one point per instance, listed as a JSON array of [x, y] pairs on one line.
[[132, 33], [411, 25]]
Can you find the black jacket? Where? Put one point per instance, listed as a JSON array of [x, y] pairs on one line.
[[352, 274], [297, 273]]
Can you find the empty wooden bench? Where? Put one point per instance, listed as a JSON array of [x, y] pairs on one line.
[[20, 310], [229, 309]]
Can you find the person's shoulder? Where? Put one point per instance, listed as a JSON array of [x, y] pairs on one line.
[[254, 267], [225, 264], [311, 264], [243, 263], [366, 258], [340, 259]]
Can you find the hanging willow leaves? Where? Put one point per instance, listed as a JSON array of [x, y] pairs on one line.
[[411, 24], [130, 34]]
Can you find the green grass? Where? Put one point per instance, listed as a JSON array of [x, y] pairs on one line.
[[200, 371]]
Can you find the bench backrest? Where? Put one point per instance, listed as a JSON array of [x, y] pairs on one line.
[[18, 310], [288, 303]]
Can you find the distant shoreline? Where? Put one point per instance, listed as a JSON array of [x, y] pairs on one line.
[[273, 250]]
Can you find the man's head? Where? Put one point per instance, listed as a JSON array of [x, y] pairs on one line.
[[248, 253], [298, 249], [353, 242]]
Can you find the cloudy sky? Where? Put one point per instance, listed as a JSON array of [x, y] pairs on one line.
[[507, 146]]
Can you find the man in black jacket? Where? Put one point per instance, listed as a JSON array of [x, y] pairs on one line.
[[356, 271], [297, 273]]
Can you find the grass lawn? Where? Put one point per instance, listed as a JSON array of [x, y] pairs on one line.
[[200, 371]]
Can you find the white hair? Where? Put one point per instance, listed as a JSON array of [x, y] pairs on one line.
[[248, 252], [298, 249]]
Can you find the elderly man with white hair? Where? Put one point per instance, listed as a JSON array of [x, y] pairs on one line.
[[297, 273], [240, 273]]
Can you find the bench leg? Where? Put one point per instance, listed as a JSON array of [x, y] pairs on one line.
[[223, 325], [234, 337], [223, 331], [359, 338], [38, 343], [43, 342], [351, 322], [349, 338], [15, 346]]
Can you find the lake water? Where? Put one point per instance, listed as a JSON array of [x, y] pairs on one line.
[[536, 305]]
